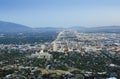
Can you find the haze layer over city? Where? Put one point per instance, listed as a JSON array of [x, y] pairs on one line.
[[59, 39]]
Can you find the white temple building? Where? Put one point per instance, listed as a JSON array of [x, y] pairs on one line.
[[42, 54]]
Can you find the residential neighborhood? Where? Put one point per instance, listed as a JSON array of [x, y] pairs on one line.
[[72, 55]]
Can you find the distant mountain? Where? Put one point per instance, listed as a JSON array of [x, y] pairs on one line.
[[109, 29], [13, 27], [79, 28], [8, 27], [46, 29], [106, 29]]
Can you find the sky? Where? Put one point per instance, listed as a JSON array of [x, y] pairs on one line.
[[61, 13]]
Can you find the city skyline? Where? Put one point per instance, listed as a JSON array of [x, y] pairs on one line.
[[52, 13]]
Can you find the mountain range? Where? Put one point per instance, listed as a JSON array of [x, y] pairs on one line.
[[15, 28], [106, 29]]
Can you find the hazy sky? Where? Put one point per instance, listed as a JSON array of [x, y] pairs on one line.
[[61, 13]]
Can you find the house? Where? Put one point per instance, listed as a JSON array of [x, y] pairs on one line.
[[42, 54]]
